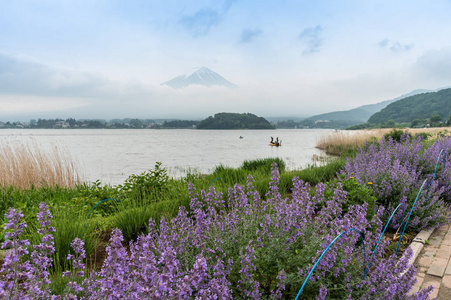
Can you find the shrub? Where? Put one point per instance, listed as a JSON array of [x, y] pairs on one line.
[[395, 173], [396, 134], [147, 185], [435, 165], [356, 194], [246, 247]]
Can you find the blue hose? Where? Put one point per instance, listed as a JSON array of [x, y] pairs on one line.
[[380, 238], [413, 206], [217, 179], [96, 206], [324, 252], [433, 178]]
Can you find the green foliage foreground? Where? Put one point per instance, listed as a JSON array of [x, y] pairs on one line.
[[153, 195]]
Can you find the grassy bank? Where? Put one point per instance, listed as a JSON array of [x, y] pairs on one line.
[[345, 143], [141, 197], [236, 212]]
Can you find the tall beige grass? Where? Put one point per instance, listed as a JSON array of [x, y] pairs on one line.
[[339, 142], [25, 165]]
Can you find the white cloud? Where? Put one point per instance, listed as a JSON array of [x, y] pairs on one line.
[[34, 104], [395, 46], [311, 37], [433, 67], [248, 35]]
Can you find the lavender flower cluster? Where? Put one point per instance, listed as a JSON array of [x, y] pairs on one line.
[[239, 247], [395, 172]]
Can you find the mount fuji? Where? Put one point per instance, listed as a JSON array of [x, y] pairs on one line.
[[200, 76]]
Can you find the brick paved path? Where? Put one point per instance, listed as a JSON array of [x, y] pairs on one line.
[[434, 264]]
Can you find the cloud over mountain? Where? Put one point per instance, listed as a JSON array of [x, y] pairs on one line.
[[312, 40], [248, 35], [203, 20], [395, 46], [200, 76]]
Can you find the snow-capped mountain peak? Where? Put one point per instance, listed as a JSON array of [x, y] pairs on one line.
[[199, 76]]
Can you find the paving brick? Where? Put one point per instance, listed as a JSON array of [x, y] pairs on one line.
[[414, 289], [425, 261], [429, 253], [447, 241], [436, 270], [443, 252], [446, 281], [434, 263], [440, 261], [430, 247], [448, 268], [435, 241], [421, 274], [419, 281], [435, 282]]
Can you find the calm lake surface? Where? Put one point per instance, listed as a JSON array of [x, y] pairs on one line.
[[111, 155]]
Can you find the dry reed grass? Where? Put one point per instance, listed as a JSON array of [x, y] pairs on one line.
[[337, 142], [25, 165]]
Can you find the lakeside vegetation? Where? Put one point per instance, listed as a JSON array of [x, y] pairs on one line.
[[235, 121], [71, 123], [238, 216], [218, 121], [25, 165], [346, 142]]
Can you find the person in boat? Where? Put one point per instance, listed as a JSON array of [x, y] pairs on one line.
[[272, 140]]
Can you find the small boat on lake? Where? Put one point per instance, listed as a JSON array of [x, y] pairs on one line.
[[276, 143]]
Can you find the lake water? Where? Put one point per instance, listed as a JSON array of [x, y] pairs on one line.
[[111, 155]]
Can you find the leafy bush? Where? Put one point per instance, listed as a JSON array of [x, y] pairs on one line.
[[395, 134], [435, 165], [424, 135], [395, 171], [147, 185], [243, 248], [356, 194]]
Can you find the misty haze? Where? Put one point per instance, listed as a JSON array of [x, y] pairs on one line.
[[225, 149]]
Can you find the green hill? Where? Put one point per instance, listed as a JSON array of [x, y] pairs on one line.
[[420, 106], [235, 121], [358, 115]]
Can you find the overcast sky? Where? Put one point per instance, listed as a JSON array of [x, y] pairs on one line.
[[108, 58]]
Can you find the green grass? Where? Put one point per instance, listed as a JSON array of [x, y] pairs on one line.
[[131, 211], [263, 164]]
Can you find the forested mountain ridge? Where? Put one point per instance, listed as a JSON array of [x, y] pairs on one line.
[[235, 121], [359, 114], [420, 106]]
